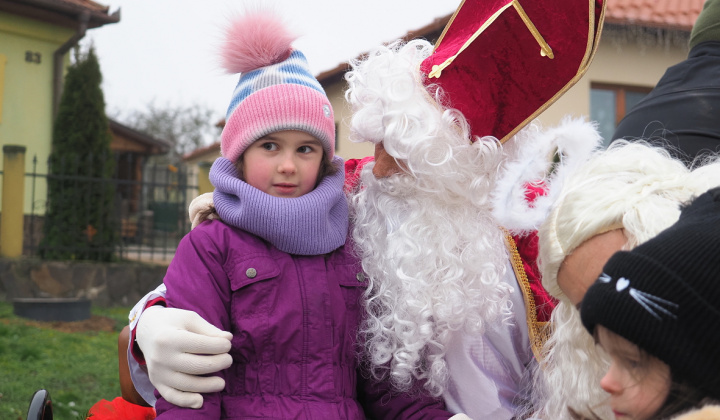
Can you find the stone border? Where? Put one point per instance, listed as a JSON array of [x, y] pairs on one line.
[[105, 284]]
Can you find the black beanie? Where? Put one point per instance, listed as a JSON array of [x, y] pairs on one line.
[[664, 296]]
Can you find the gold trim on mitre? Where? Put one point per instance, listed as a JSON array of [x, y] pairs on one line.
[[538, 331], [545, 49], [590, 49]]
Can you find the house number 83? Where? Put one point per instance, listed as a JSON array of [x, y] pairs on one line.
[[32, 57]]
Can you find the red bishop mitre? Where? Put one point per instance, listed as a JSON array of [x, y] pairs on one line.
[[503, 62]]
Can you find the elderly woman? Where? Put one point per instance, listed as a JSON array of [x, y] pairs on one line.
[[619, 199]]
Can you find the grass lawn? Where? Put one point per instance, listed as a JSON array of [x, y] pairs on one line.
[[78, 368]]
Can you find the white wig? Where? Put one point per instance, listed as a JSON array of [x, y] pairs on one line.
[[633, 186], [432, 251]]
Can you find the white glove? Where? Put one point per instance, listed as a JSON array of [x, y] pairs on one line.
[[460, 416], [178, 345]]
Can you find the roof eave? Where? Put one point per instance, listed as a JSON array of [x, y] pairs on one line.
[[162, 145], [212, 148], [64, 14], [647, 24]]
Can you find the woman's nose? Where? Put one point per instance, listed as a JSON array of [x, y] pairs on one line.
[[611, 383]]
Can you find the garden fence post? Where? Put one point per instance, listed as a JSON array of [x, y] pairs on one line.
[[13, 192]]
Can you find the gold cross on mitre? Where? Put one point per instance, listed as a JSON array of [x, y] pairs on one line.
[[488, 66], [545, 49]]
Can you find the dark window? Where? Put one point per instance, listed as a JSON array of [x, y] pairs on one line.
[[610, 103]]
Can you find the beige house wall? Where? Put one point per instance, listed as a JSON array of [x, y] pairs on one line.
[[344, 147], [615, 63]]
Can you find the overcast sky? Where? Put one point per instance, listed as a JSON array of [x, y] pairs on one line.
[[166, 51]]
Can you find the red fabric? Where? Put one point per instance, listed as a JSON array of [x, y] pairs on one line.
[[534, 190], [119, 409], [134, 350], [527, 247], [501, 80], [353, 167]]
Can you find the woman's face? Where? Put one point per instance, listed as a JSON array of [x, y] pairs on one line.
[[582, 267], [638, 383]]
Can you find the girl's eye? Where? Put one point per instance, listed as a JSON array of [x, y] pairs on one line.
[[305, 149], [270, 146], [632, 363]]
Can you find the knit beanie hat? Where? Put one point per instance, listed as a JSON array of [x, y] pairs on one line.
[[664, 295], [707, 25], [276, 90]]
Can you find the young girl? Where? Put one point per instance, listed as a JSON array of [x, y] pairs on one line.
[[655, 311], [277, 271]]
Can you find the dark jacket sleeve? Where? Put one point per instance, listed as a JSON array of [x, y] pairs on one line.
[[380, 401]]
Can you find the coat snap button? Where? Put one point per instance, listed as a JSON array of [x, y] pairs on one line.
[[251, 273], [360, 277]]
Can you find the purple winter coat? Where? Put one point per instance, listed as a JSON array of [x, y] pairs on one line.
[[294, 321]]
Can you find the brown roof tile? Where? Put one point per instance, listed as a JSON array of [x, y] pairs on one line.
[[670, 14]]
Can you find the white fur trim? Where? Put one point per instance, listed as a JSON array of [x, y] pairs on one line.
[[711, 412], [573, 140], [202, 208]]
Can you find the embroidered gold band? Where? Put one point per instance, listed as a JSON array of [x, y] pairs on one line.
[[538, 331]]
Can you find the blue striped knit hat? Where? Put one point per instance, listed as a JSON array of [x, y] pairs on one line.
[[276, 90]]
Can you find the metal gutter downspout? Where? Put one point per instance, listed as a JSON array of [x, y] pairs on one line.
[[59, 56]]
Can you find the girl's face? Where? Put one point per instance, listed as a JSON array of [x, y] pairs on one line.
[[638, 383], [283, 164]]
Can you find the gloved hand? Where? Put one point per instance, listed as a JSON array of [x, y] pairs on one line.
[[177, 345]]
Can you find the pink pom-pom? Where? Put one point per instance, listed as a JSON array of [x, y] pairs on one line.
[[256, 39]]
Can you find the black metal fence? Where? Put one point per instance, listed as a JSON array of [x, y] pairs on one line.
[[148, 207]]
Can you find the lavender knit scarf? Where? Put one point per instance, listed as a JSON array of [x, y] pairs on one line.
[[313, 224]]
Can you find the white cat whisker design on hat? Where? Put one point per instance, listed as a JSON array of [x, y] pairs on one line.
[[651, 303], [647, 300]]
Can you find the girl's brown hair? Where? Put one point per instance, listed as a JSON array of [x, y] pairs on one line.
[[681, 397]]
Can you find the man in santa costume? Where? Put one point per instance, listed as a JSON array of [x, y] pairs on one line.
[[454, 301]]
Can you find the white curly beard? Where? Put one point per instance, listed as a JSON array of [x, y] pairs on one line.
[[433, 252], [434, 260]]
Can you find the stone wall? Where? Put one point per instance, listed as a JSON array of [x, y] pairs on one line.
[[106, 284]]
